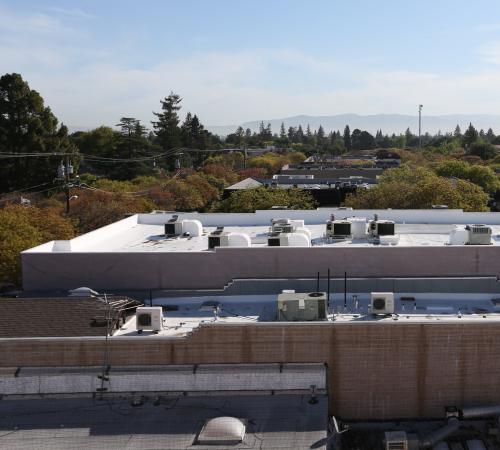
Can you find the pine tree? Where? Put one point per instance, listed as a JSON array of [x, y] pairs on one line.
[[347, 138], [27, 125], [300, 135], [470, 136], [282, 131], [490, 135], [127, 128], [458, 132], [167, 127]]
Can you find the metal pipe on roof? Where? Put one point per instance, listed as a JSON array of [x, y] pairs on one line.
[[440, 434], [480, 411]]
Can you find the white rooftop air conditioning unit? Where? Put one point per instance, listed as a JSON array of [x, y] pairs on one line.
[[298, 239], [149, 318], [221, 238], [478, 234], [176, 227], [302, 306], [396, 440], [282, 225], [382, 303], [379, 228], [338, 229], [173, 227]]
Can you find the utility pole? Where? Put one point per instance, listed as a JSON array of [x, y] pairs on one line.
[[66, 184], [420, 126]]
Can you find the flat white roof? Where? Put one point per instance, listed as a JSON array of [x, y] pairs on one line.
[[182, 315], [145, 232]]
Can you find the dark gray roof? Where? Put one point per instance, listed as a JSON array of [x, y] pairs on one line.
[[273, 422], [60, 317]]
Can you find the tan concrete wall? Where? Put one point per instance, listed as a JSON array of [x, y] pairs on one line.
[[214, 269], [376, 371]]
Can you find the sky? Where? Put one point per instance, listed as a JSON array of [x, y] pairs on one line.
[[94, 61]]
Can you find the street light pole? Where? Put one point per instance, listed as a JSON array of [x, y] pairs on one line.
[[420, 126]]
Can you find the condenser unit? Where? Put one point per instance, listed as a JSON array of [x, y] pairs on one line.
[[149, 318], [338, 229], [173, 227], [478, 234], [220, 238], [186, 227], [296, 239], [294, 307], [382, 303], [379, 228]]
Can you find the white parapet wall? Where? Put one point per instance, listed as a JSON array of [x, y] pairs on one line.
[[202, 378]]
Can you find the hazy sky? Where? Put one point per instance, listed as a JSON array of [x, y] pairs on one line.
[[95, 61]]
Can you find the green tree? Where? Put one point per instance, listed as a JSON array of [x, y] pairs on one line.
[[347, 138], [419, 188], [470, 136], [362, 140], [250, 200], [28, 126], [482, 148], [167, 126]]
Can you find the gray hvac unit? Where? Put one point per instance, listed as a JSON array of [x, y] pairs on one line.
[[479, 234], [381, 228], [173, 227], [281, 226], [274, 239], [218, 238], [293, 307], [338, 229]]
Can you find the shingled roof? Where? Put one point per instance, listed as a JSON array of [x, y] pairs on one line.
[[61, 317]]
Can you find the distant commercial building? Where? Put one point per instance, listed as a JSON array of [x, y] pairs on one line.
[[208, 251]]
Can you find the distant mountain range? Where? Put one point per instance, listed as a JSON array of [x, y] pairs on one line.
[[388, 123]]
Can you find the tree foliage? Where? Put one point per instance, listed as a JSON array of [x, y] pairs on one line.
[[251, 200], [25, 227], [28, 126], [483, 176], [419, 188]]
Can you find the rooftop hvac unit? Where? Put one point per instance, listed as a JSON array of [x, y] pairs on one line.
[[396, 440], [297, 239], [149, 318], [176, 227], [220, 238], [294, 307], [478, 234], [338, 229], [173, 227], [382, 303], [381, 228]]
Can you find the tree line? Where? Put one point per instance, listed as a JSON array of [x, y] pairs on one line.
[[337, 143]]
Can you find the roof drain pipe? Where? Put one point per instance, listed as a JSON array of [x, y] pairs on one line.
[[440, 434]]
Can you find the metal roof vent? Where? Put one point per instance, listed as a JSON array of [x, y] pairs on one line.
[[222, 431], [82, 292]]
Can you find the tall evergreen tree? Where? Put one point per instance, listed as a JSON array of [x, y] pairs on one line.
[[282, 131], [167, 126], [127, 130], [470, 136], [347, 138], [490, 135], [458, 132], [28, 126]]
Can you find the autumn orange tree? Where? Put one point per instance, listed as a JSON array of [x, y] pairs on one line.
[[23, 227]]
